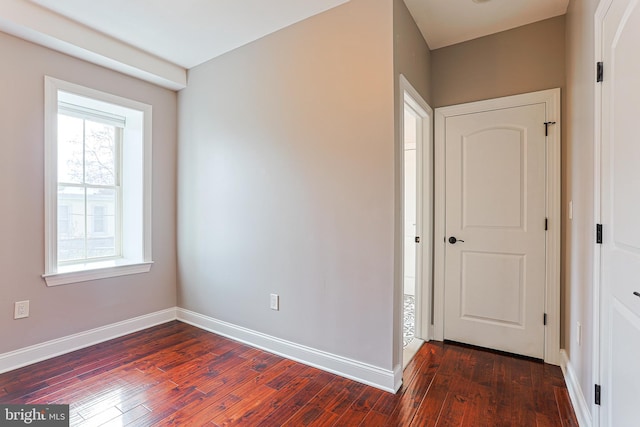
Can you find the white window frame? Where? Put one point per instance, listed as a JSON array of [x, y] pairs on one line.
[[136, 247]]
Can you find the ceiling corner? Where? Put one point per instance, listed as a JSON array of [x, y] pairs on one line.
[[38, 25]]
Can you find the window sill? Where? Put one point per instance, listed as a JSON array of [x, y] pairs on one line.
[[94, 271]]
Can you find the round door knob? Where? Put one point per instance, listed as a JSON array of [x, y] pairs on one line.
[[453, 240]]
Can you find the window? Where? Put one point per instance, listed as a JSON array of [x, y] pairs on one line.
[[88, 181], [97, 184]]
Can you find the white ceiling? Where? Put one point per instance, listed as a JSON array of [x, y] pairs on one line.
[[159, 40], [447, 22], [187, 32]]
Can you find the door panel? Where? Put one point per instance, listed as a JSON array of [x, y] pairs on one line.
[[496, 274], [625, 371], [620, 210], [495, 205], [493, 196]]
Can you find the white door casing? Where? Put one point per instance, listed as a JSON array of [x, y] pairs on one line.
[[618, 210], [424, 217], [500, 183]]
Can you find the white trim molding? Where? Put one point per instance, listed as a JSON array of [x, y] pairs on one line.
[[46, 350], [383, 379], [598, 321], [374, 376], [115, 270], [408, 95], [575, 392], [551, 99], [134, 221]]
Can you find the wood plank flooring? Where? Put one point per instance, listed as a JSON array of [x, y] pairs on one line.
[[176, 374]]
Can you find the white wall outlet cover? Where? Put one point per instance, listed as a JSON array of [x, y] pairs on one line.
[[21, 310], [275, 302]]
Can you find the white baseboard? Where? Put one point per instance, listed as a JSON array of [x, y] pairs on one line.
[[575, 392], [36, 353], [362, 372], [397, 375], [358, 371]]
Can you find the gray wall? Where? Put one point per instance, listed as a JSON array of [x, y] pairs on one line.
[[411, 54], [524, 59], [64, 310], [411, 58], [580, 187], [286, 184]]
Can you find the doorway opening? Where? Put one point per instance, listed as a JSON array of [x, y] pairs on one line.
[[417, 221], [412, 125]]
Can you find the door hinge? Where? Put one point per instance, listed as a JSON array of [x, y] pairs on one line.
[[546, 127], [599, 233], [599, 72], [597, 394], [546, 224], [417, 239], [545, 319]]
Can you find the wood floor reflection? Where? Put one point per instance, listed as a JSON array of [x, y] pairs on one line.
[[176, 374]]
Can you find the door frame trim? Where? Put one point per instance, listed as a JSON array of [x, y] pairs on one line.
[[598, 21], [551, 99], [425, 211]]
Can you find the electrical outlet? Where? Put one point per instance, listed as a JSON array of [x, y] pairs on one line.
[[21, 309], [275, 302], [579, 333]]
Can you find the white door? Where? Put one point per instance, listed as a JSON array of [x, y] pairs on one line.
[[620, 217], [495, 229]]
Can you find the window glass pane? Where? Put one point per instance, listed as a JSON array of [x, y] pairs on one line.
[[99, 219], [71, 223], [70, 130], [101, 222], [99, 154], [64, 220]]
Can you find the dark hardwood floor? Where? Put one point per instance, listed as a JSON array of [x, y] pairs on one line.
[[176, 374]]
